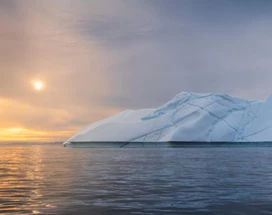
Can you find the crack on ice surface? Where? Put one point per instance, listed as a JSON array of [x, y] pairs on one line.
[[257, 132], [185, 117], [219, 119], [168, 107], [174, 124], [239, 125], [174, 103]]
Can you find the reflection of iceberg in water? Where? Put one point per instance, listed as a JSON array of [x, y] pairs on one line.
[[188, 117]]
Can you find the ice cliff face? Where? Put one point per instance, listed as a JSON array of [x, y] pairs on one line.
[[187, 117]]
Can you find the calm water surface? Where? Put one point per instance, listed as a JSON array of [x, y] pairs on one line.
[[51, 179]]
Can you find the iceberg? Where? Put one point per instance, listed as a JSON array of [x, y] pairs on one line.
[[188, 117]]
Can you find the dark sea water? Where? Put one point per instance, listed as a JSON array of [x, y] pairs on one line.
[[51, 179]]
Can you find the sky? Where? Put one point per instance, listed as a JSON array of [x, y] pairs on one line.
[[99, 57]]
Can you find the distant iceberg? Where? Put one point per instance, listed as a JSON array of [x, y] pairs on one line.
[[189, 117]]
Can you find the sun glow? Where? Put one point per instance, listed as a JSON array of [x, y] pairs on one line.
[[38, 85], [21, 134]]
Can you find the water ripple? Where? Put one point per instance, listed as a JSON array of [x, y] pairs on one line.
[[50, 179]]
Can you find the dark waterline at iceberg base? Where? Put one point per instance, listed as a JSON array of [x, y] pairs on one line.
[[171, 144], [51, 179]]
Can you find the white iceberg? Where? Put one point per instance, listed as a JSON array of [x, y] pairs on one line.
[[189, 117]]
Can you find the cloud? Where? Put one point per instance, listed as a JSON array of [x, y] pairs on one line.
[[200, 57], [48, 50]]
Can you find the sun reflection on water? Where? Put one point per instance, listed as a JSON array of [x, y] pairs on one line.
[[24, 178]]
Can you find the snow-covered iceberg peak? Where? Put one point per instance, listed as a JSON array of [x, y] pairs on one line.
[[187, 117]]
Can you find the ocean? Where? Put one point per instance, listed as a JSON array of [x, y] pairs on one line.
[[52, 179]]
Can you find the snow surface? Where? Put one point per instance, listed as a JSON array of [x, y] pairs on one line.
[[187, 117]]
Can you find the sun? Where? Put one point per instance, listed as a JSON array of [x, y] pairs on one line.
[[38, 85]]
